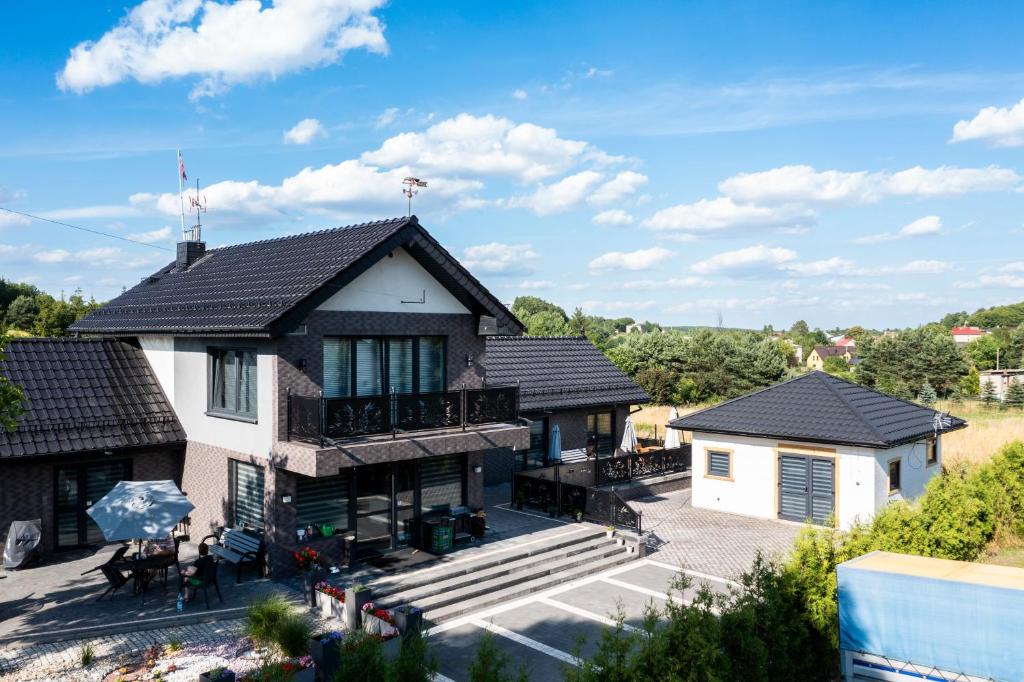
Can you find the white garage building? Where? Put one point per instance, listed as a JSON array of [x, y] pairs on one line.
[[814, 447]]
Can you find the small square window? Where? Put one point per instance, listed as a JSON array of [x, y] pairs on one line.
[[719, 464], [931, 451], [894, 476]]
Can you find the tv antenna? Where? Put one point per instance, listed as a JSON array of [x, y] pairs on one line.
[[198, 202], [410, 190]]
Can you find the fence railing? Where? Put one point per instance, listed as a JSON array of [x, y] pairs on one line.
[[316, 418], [624, 468]]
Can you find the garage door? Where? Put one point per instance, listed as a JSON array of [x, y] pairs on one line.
[[806, 487]]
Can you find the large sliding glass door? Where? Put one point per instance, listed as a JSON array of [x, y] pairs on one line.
[[373, 507], [76, 488]]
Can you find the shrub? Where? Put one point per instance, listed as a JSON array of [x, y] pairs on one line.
[[86, 655], [490, 663], [415, 662], [291, 635], [361, 658], [659, 382], [263, 617]]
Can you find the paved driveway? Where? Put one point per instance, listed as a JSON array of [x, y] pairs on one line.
[[711, 542]]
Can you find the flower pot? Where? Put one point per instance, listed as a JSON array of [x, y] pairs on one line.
[[306, 675], [309, 579], [354, 601], [408, 620], [609, 534], [330, 607], [224, 676], [391, 648]]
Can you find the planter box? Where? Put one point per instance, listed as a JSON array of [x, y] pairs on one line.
[[378, 626], [305, 675], [309, 579], [326, 655], [408, 620], [226, 676], [391, 648], [353, 607], [331, 607]]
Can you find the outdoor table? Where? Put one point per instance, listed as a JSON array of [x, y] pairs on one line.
[[142, 569]]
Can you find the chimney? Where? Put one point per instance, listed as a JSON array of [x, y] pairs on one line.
[[188, 253]]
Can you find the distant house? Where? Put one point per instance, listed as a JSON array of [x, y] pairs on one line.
[[1001, 379], [964, 335], [816, 358], [844, 341], [636, 327], [814, 447]]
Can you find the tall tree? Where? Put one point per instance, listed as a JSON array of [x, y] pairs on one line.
[[578, 323], [11, 398]]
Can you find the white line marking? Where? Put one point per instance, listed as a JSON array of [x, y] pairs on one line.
[[695, 574], [526, 641], [636, 588], [583, 613], [438, 677]]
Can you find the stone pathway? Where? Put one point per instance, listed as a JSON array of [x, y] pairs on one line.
[[711, 542]]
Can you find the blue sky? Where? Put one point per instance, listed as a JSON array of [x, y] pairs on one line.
[[841, 163]]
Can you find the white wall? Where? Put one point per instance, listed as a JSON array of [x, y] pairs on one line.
[[862, 480], [390, 281], [180, 365]]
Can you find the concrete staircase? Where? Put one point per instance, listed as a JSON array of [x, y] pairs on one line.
[[447, 592]]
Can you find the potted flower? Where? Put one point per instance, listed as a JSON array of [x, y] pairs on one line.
[[408, 619], [609, 531], [579, 515], [381, 623], [310, 562], [217, 675], [356, 597], [325, 649], [332, 600]]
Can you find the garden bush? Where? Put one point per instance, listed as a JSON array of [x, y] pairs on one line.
[[263, 617], [291, 635]]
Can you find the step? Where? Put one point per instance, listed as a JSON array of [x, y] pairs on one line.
[[468, 606], [409, 593], [432, 574], [458, 589]]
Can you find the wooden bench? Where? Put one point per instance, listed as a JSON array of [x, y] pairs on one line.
[[238, 546]]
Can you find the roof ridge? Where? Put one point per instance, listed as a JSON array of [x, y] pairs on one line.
[[745, 395], [826, 379], [504, 337], [884, 394], [355, 226]]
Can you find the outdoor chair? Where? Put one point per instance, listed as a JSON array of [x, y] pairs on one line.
[[207, 578], [114, 558], [116, 579]]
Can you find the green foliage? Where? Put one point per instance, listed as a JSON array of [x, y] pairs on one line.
[[56, 315], [264, 616], [415, 661], [912, 358], [982, 351], [22, 312], [490, 663], [836, 366], [12, 399], [1014, 395], [660, 383], [988, 393], [927, 394], [970, 383], [291, 635], [578, 323], [362, 659], [86, 655], [1010, 315], [950, 320]]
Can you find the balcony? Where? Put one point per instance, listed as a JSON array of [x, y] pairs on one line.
[[323, 420]]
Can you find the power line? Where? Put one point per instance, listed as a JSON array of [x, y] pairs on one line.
[[84, 229]]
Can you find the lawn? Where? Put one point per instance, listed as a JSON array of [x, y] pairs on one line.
[[1007, 556], [989, 429]]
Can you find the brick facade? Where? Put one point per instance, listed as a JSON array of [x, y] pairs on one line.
[[27, 485], [306, 350]]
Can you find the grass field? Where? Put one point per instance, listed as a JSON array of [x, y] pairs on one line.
[[989, 428]]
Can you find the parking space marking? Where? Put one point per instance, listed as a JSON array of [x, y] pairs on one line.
[[695, 574], [438, 677], [637, 588], [583, 613], [526, 641]]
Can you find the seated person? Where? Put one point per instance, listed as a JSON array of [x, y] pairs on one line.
[[198, 568], [160, 547]]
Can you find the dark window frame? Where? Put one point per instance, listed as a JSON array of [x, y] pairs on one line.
[[931, 451], [545, 445], [128, 469], [893, 489], [233, 491], [213, 353], [384, 361], [594, 436], [707, 463]]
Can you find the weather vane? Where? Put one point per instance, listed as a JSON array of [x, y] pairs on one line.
[[410, 189]]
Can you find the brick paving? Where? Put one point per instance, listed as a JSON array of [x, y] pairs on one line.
[[711, 542]]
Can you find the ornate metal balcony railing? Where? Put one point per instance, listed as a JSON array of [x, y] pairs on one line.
[[319, 419]]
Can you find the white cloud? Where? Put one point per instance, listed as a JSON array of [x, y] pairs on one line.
[[711, 215], [929, 225], [803, 184], [690, 282], [485, 145], [520, 94], [828, 266], [305, 131], [387, 117], [534, 284], [152, 236], [914, 267], [561, 196], [616, 306], [632, 260], [12, 220], [99, 211], [1000, 126], [613, 217], [621, 186], [498, 258], [1005, 281], [223, 42], [751, 258], [52, 256], [1017, 266]]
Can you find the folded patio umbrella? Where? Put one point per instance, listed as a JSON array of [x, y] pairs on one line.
[[140, 510], [629, 436], [555, 444], [672, 435]]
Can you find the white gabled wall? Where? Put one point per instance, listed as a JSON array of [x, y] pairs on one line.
[[861, 486], [180, 365], [388, 282]]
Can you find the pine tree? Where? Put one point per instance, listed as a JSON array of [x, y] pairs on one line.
[[988, 393], [1014, 395], [578, 323], [927, 395]]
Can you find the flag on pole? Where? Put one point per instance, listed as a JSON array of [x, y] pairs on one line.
[[181, 168]]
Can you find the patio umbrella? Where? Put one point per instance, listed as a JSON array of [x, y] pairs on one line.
[[140, 510], [672, 435], [629, 436], [555, 446]]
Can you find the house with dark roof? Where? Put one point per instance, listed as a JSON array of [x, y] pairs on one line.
[[351, 382], [814, 447], [94, 414], [816, 358]]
